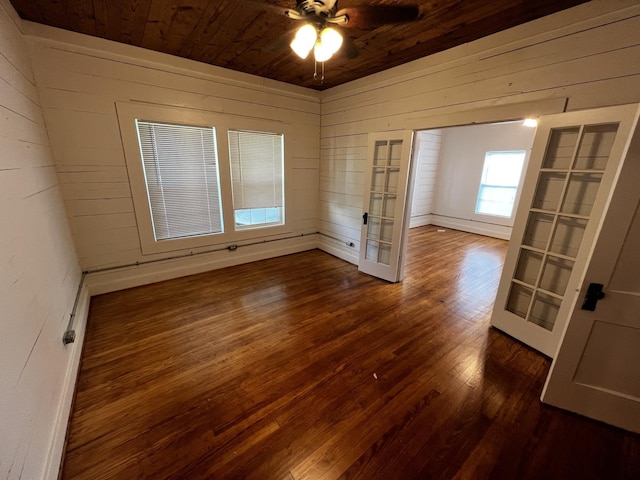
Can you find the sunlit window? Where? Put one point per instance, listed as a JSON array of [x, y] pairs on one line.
[[499, 184], [257, 177]]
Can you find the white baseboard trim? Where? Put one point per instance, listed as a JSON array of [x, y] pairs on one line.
[[420, 221], [135, 276], [56, 449], [348, 254], [471, 226]]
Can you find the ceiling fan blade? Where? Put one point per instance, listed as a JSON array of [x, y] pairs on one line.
[[368, 17], [266, 6], [349, 48], [281, 43]]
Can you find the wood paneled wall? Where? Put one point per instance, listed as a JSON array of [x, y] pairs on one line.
[[426, 158], [39, 274], [589, 54], [80, 78]]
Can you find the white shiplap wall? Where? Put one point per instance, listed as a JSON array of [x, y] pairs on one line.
[[39, 275], [589, 54], [81, 78], [426, 158]]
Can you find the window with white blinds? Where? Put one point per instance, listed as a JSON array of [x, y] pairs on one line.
[[181, 172], [257, 178]]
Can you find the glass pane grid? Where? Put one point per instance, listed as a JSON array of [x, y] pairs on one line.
[[383, 200], [567, 188]]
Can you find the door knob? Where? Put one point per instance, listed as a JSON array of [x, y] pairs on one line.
[[594, 293]]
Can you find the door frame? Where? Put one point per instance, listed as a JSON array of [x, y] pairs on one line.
[[509, 112]]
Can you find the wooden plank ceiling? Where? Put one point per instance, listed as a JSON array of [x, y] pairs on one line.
[[252, 36]]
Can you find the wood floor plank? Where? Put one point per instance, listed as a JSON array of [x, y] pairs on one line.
[[300, 367]]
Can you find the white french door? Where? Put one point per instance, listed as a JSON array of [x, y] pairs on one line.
[[574, 165], [595, 372], [381, 240]]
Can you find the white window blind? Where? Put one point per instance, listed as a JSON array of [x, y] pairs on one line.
[[181, 173], [257, 177], [499, 184]]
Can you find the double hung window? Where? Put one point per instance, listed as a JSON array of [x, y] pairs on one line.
[[197, 179], [182, 178], [499, 184], [257, 170]]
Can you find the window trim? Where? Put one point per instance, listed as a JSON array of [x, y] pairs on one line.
[[127, 115]]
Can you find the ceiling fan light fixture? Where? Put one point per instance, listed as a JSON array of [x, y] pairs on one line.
[[305, 39], [331, 39], [329, 43], [321, 52]]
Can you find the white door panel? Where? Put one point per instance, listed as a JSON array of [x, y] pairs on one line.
[[597, 369], [385, 199]]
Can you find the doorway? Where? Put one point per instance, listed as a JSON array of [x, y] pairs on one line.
[[469, 177]]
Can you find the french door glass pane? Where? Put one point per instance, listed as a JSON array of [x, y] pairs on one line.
[[545, 310], [549, 191], [555, 275], [595, 147], [396, 152], [378, 180], [538, 230], [528, 266], [581, 193], [389, 206], [568, 236], [561, 148], [386, 233], [380, 153], [372, 250], [519, 299]]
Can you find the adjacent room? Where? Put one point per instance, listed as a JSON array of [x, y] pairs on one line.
[[469, 177], [283, 239]]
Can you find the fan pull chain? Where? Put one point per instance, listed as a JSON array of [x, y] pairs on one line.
[[315, 72]]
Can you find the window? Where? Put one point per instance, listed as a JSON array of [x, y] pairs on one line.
[[200, 179], [499, 184], [181, 174], [257, 178]]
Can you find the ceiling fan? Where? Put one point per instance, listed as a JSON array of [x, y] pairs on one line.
[[318, 34]]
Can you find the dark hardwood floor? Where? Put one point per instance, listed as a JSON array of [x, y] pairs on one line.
[[300, 367]]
